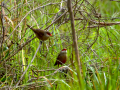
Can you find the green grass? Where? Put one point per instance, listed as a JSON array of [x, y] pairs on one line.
[[100, 62]]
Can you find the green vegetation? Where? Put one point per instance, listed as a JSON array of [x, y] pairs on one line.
[[97, 31]]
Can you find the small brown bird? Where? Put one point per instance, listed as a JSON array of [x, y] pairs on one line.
[[62, 57], [41, 34]]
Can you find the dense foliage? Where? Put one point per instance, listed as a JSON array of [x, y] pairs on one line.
[[24, 64]]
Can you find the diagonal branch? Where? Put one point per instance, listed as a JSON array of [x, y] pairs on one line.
[[28, 66]]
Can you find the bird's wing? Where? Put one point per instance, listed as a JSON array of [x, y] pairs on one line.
[[39, 32], [57, 61], [59, 56]]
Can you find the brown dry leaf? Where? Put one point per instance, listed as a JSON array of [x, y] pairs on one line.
[[47, 81], [8, 19]]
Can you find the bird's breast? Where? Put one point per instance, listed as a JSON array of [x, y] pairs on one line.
[[64, 60]]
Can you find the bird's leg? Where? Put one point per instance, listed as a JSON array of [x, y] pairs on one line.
[[43, 46], [41, 42], [40, 47]]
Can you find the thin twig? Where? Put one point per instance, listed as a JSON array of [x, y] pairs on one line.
[[20, 48], [28, 66], [26, 16]]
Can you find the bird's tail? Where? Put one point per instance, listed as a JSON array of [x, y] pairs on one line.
[[55, 64], [30, 27]]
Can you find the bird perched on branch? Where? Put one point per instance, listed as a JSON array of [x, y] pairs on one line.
[[41, 34], [62, 57]]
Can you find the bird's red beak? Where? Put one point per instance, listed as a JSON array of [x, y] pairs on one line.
[[50, 34]]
